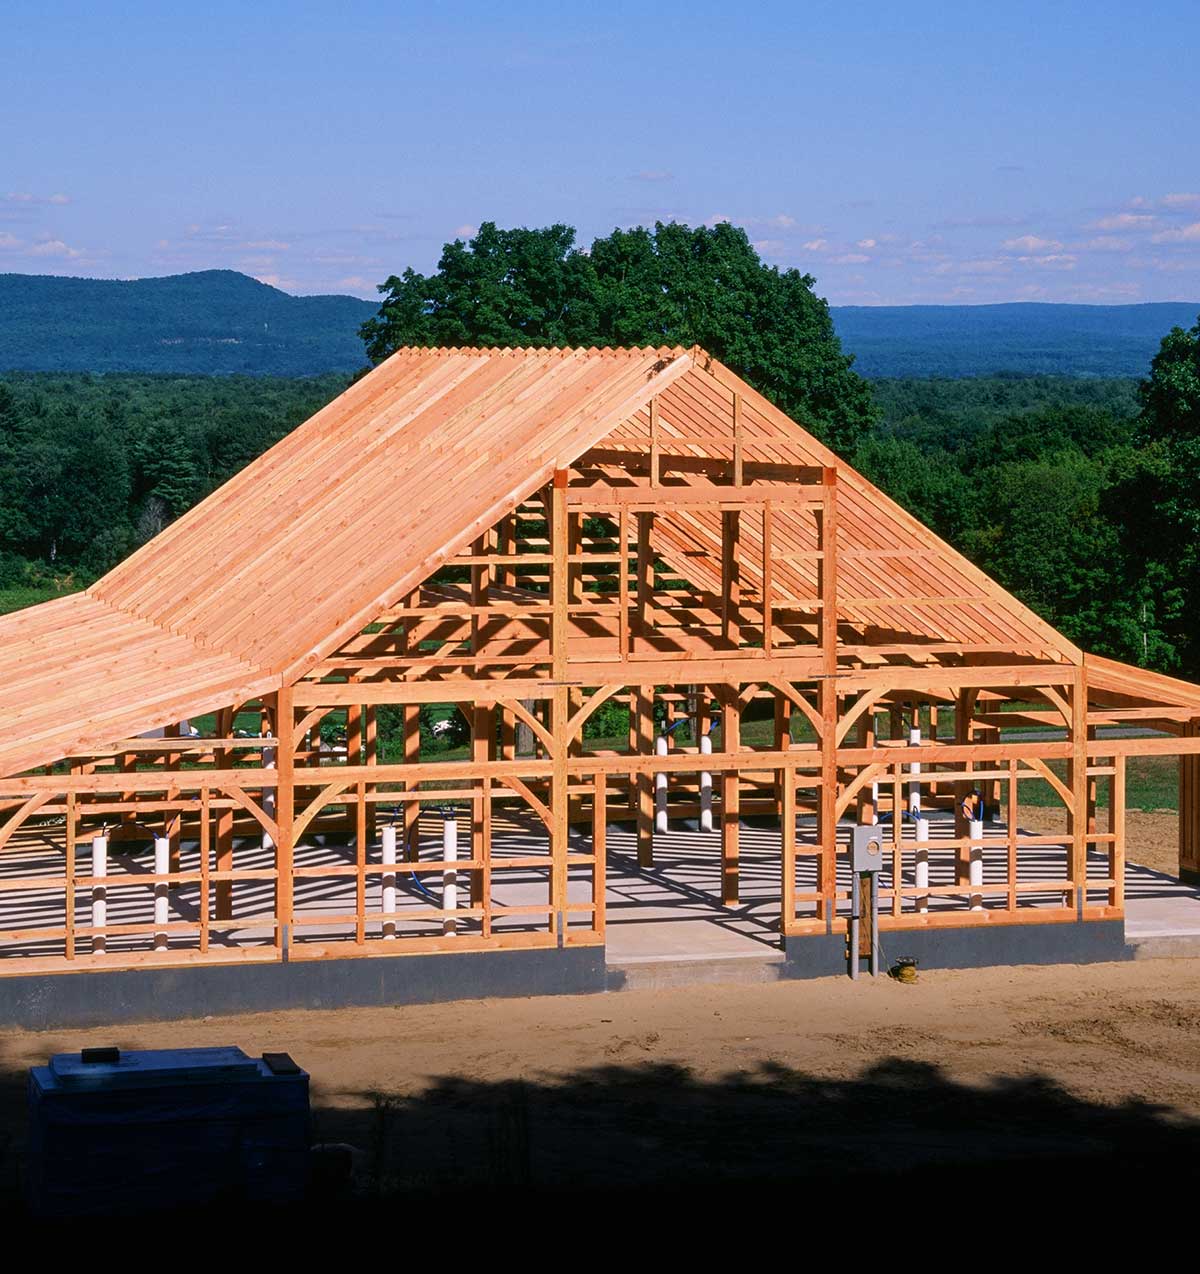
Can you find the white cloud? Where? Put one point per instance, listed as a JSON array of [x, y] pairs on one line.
[[1054, 261], [850, 258], [867, 243], [25, 197], [466, 231], [1181, 201], [54, 248], [1107, 243], [816, 245], [1031, 243], [9, 241], [266, 245], [1125, 221], [1185, 234]]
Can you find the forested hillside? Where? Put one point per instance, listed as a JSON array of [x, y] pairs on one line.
[[213, 321], [1030, 338]]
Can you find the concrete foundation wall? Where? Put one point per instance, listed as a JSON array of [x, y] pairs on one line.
[[73, 1000], [974, 947]]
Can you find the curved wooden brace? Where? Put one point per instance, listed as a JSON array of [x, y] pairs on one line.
[[268, 824], [867, 700], [601, 697], [856, 785], [790, 693], [518, 788], [315, 806], [1043, 770], [306, 723], [1055, 700], [519, 710], [747, 696], [31, 806]]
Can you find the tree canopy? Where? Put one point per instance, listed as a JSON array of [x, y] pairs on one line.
[[673, 285]]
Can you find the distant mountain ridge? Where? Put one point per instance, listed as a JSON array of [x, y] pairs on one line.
[[212, 321], [223, 322], [1032, 338]]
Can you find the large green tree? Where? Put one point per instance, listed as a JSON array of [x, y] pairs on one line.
[[1159, 499], [673, 285]]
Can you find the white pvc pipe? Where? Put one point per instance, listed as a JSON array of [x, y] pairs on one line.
[[975, 862], [388, 842], [914, 789], [706, 810], [921, 876], [268, 801], [450, 876], [660, 788], [99, 892], [162, 865]]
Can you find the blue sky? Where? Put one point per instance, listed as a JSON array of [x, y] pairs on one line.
[[915, 152]]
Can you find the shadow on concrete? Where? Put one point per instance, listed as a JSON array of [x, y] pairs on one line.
[[900, 1130]]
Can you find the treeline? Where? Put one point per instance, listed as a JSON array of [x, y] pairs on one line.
[[93, 466]]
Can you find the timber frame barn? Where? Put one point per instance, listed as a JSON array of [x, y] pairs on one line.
[[533, 535]]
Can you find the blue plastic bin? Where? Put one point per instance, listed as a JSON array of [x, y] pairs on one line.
[[164, 1129]]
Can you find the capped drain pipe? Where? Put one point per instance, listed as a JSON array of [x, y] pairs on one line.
[[706, 783], [99, 892], [387, 840], [162, 867], [449, 875]]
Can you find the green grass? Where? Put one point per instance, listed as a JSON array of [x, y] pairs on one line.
[[29, 595]]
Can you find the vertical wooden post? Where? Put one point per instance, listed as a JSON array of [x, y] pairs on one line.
[[788, 820], [827, 697], [1189, 811], [731, 719], [645, 581], [559, 705], [285, 810], [731, 590], [484, 854], [768, 578], [599, 853], [783, 741], [963, 707], [72, 832], [371, 757], [866, 794], [644, 782], [1116, 826], [1010, 842], [623, 584], [412, 756], [1079, 790], [654, 443], [223, 892], [738, 442], [483, 731]]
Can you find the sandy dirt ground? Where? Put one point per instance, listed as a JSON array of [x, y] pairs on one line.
[[1151, 836], [731, 1083]]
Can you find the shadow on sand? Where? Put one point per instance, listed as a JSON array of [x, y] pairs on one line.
[[657, 1131]]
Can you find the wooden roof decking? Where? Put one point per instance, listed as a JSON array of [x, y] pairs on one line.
[[79, 674]]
